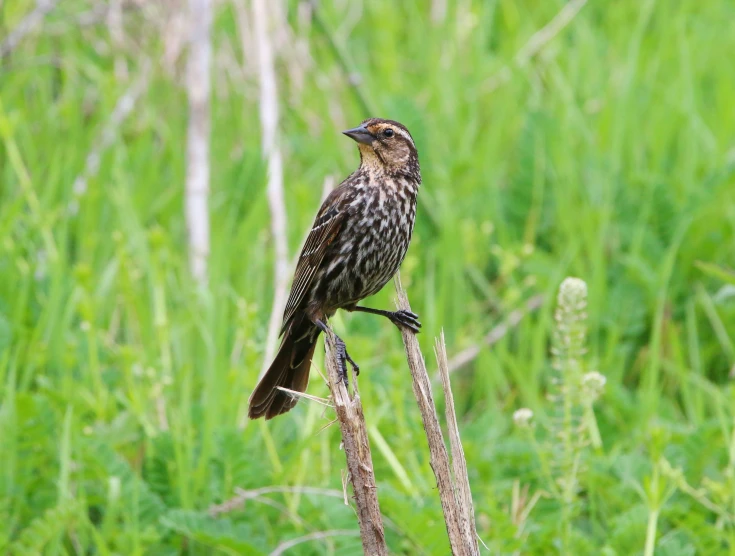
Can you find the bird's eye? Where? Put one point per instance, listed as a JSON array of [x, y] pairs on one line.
[[388, 132]]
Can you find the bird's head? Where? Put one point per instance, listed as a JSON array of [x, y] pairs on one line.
[[386, 147]]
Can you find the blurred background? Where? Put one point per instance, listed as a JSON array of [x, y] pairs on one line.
[[159, 171]]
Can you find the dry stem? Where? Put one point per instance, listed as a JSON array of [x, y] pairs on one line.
[[496, 334], [359, 460], [459, 463], [272, 152], [242, 495], [197, 147], [123, 108], [27, 24], [458, 514], [318, 535]]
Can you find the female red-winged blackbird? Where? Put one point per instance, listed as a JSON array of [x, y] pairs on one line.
[[358, 241]]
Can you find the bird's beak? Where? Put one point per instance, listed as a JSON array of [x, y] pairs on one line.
[[360, 134]]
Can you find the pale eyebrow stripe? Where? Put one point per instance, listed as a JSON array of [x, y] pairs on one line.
[[404, 134]]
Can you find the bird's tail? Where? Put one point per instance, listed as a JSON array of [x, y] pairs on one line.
[[290, 369]]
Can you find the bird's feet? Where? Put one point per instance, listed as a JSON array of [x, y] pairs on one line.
[[342, 358], [342, 355], [405, 319]]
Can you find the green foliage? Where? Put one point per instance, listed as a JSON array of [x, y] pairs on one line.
[[219, 534], [607, 155], [47, 529]]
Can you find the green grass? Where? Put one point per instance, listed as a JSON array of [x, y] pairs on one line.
[[609, 156]]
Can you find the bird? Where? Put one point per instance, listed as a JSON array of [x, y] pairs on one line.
[[357, 243]]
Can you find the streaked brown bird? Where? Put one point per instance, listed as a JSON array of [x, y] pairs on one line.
[[358, 241]]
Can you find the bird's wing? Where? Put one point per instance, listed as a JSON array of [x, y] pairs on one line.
[[326, 226]]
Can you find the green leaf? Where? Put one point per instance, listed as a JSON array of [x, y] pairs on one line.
[[6, 334], [218, 533], [716, 272]]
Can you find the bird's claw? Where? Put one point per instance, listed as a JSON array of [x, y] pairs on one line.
[[406, 319], [342, 358], [342, 361], [355, 366]]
